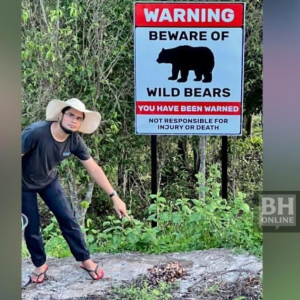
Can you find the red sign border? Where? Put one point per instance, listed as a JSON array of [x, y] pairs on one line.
[[153, 3]]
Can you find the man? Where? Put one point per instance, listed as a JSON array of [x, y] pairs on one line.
[[44, 145]]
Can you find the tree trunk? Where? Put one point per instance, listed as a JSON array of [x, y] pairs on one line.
[[196, 154], [202, 168], [182, 151], [76, 203], [122, 176], [248, 125]]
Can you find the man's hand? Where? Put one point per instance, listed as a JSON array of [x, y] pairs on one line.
[[120, 207]]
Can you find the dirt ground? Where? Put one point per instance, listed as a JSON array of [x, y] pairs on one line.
[[215, 274], [250, 288]]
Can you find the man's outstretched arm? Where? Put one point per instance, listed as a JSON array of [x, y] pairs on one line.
[[100, 178]]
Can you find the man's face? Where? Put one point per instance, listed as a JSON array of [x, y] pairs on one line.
[[71, 120]]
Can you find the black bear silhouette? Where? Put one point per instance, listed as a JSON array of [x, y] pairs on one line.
[[186, 58]]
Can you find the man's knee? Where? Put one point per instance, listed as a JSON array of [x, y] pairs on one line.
[[67, 218]]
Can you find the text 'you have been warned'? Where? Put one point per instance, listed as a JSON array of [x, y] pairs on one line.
[[189, 68]]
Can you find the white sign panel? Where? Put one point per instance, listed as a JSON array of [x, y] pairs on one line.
[[189, 68]]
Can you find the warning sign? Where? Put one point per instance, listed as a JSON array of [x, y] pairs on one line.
[[189, 68]]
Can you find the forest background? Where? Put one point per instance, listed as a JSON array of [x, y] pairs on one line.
[[84, 49]]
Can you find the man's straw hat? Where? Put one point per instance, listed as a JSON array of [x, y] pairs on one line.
[[92, 118]]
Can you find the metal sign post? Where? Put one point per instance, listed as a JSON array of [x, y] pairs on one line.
[[224, 167], [154, 188]]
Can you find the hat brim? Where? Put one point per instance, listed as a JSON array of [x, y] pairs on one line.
[[89, 125]]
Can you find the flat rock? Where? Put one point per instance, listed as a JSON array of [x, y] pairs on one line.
[[66, 280]]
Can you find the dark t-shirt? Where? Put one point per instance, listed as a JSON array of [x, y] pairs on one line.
[[42, 153]]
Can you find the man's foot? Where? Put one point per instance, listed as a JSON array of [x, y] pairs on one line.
[[38, 275], [93, 269]]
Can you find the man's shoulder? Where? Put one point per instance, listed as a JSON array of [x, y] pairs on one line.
[[77, 142], [37, 126], [76, 138], [38, 130]]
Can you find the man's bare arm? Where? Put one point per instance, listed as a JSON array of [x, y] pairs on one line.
[[100, 178]]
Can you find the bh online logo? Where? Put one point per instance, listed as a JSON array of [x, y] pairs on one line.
[[278, 210]]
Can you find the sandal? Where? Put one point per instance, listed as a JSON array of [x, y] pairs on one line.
[[94, 271], [38, 276]]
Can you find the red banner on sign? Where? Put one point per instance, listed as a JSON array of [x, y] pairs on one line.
[[189, 14], [188, 108]]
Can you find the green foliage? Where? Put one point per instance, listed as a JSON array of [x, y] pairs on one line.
[[142, 292], [55, 245], [253, 58], [24, 251], [245, 161], [186, 224]]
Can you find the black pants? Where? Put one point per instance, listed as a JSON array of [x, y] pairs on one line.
[[55, 198]]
